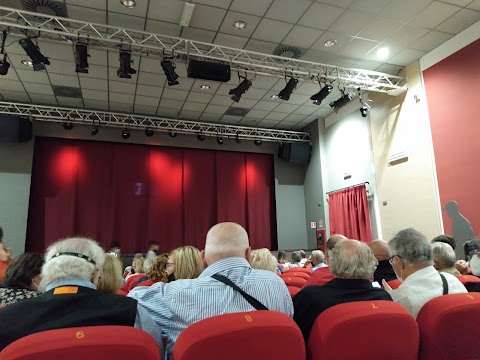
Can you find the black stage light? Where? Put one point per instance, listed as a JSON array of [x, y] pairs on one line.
[[237, 139], [201, 137], [38, 60], [95, 130], [149, 132], [172, 133], [4, 65], [125, 134], [322, 94], [240, 89], [342, 101], [169, 70], [364, 111], [68, 125], [81, 58], [125, 71], [288, 89], [219, 140], [257, 142]]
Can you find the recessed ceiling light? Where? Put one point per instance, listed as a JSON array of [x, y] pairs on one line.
[[27, 62], [128, 3], [274, 96], [240, 25], [331, 42], [383, 53], [205, 87]]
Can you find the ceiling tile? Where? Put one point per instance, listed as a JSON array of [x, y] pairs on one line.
[[265, 105], [261, 46], [146, 101], [370, 6], [230, 119], [406, 35], [184, 83], [87, 14], [340, 3], [171, 104], [217, 3], [64, 80], [286, 10], [164, 28], [434, 14], [368, 64], [254, 93], [166, 10], [193, 106], [94, 84], [286, 108], [189, 115], [302, 37], [169, 113], [140, 8], [95, 71], [475, 5], [342, 41], [295, 117], [287, 125], [66, 101], [143, 109], [276, 116], [253, 7], [230, 40], [199, 97], [95, 104], [61, 67], [246, 103], [147, 90], [221, 100], [249, 121], [207, 17], [216, 109], [150, 65], [305, 110], [351, 22], [122, 87], [96, 4], [198, 34], [121, 98], [320, 16], [12, 85], [268, 123], [126, 21], [210, 117], [380, 29], [57, 51], [430, 41], [43, 99], [264, 82], [258, 114], [308, 88], [406, 57], [37, 88], [358, 48], [121, 107], [323, 112], [460, 21], [232, 16], [389, 69], [461, 3], [95, 94], [405, 9], [151, 79], [272, 30], [97, 57], [15, 95], [174, 94]]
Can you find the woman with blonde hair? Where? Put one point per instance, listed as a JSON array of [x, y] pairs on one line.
[[184, 263], [263, 259], [111, 276]]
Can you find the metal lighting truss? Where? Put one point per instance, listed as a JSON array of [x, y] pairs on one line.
[[141, 42], [130, 121]]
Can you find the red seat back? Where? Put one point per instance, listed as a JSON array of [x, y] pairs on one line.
[[448, 327], [465, 279], [302, 275], [298, 269], [293, 290], [294, 281], [363, 330], [241, 336], [93, 342], [394, 284]]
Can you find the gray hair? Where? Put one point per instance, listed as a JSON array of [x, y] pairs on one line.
[[412, 247], [318, 255], [147, 264], [296, 256], [444, 255], [68, 267], [352, 259]]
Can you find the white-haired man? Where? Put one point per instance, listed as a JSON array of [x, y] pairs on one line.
[[352, 263], [444, 258], [317, 258], [412, 260], [70, 274], [176, 305]]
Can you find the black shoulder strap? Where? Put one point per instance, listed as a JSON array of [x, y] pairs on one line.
[[143, 278], [254, 302], [445, 284]]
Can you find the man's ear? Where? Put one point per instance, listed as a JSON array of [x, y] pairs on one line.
[[247, 255], [202, 256], [96, 276]]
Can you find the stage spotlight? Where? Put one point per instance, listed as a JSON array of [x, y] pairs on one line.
[[169, 69], [125, 71], [219, 140], [172, 133], [364, 111], [322, 94], [4, 65], [257, 142], [240, 89], [342, 101], [288, 89], [125, 134], [201, 137], [237, 139], [149, 132], [38, 60], [68, 125], [95, 130], [81, 58]]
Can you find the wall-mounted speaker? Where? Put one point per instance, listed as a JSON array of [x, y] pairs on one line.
[[208, 70], [295, 153], [15, 129]]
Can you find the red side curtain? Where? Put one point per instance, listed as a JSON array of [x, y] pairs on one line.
[[349, 213], [134, 194]]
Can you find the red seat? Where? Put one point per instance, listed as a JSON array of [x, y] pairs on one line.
[[465, 279], [448, 327], [364, 330], [293, 290], [394, 284], [241, 336], [294, 281], [298, 269], [93, 342], [296, 274]]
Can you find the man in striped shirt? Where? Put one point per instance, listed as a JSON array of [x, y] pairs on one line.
[[176, 305]]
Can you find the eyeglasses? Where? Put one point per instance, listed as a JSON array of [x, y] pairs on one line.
[[390, 260]]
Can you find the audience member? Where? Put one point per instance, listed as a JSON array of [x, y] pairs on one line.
[[5, 258], [353, 264], [115, 249], [475, 259], [282, 261], [462, 267], [263, 259], [304, 257], [22, 279], [444, 258], [323, 275], [296, 258], [411, 258], [152, 250], [184, 263], [137, 265], [157, 272], [71, 271], [384, 269], [110, 278], [470, 247], [317, 258], [176, 305], [135, 279], [445, 239]]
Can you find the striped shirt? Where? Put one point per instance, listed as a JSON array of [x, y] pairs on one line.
[[176, 305]]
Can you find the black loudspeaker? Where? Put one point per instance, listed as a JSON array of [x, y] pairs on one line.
[[15, 129], [207, 70], [295, 153]]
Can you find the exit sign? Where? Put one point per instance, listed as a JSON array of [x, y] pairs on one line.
[[313, 225]]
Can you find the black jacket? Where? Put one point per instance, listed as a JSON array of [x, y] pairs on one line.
[[384, 271]]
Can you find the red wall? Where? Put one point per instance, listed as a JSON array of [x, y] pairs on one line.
[[453, 95]]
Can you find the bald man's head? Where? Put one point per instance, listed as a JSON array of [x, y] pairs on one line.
[[226, 240], [379, 249], [334, 239]]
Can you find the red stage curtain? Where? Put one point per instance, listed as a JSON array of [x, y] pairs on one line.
[[136, 193], [349, 216]]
